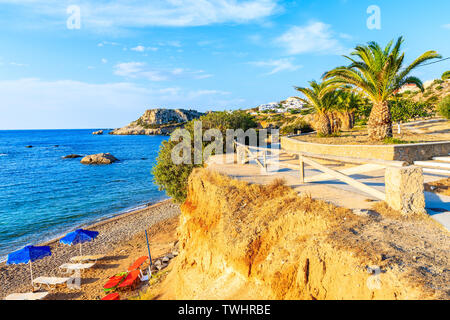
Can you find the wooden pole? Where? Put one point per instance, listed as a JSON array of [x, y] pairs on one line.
[[358, 185], [302, 169], [265, 160]]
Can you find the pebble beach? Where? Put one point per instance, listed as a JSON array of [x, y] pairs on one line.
[[113, 233]]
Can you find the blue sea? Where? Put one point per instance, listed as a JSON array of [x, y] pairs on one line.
[[42, 196]]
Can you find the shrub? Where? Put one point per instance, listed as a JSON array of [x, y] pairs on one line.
[[446, 75], [299, 125], [173, 178], [444, 107], [404, 110]]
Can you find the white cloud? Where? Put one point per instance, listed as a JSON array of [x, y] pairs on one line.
[[316, 37], [279, 65], [104, 60], [106, 43], [140, 70], [36, 103], [201, 93], [138, 48], [144, 13], [16, 64], [446, 26]]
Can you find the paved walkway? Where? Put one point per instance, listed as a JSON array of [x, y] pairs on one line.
[[333, 191]]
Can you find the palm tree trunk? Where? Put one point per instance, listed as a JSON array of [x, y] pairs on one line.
[[380, 122], [323, 126], [352, 119], [346, 120]]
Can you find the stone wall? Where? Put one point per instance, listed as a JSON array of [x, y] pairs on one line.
[[401, 152]]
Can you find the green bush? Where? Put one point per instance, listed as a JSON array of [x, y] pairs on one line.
[[444, 107], [298, 126], [173, 178], [446, 75], [404, 110], [170, 177]]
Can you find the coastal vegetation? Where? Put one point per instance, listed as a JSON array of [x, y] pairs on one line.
[[444, 107], [378, 73], [403, 109], [446, 75], [173, 177]]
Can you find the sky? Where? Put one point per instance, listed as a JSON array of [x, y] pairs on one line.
[[101, 64]]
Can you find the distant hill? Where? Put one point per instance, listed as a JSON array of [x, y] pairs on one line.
[[434, 92], [158, 122]]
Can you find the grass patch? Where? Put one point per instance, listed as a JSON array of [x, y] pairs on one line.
[[331, 135], [395, 141]]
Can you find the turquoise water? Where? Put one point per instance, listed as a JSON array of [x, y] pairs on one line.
[[43, 196]]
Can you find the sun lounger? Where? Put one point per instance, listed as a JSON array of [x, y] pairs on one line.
[[70, 267], [138, 263], [27, 296], [49, 281], [88, 258], [114, 281], [131, 280], [112, 296]]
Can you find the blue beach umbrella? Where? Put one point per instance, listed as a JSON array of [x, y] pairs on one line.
[[79, 236], [28, 254]]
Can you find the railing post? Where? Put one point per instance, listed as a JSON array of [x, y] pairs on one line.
[[302, 169], [265, 160]]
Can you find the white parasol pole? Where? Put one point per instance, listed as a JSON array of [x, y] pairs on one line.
[[31, 272]]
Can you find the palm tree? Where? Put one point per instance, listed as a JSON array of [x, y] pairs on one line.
[[347, 103], [378, 74], [321, 96]]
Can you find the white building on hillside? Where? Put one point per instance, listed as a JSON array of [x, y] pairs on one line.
[[292, 103], [408, 87], [269, 106]]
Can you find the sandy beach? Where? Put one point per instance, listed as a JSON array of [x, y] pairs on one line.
[[121, 238]]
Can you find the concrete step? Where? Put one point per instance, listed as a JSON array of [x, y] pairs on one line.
[[443, 159], [437, 171], [433, 164]]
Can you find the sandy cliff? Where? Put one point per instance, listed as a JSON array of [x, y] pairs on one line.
[[240, 241]]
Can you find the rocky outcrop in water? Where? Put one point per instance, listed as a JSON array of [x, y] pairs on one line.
[[100, 158], [158, 122], [99, 132], [72, 156]]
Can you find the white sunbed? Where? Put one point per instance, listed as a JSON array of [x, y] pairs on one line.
[[27, 296], [49, 281], [88, 258], [76, 266]]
